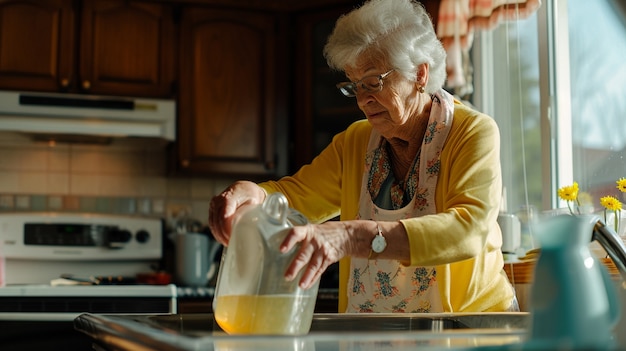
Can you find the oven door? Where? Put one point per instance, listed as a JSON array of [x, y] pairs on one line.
[[41, 317], [41, 335]]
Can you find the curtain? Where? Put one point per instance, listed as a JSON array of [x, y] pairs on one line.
[[456, 22]]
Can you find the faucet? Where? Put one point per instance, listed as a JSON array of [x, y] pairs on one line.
[[615, 248], [612, 244]]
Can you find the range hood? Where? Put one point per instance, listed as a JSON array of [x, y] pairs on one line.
[[87, 115]]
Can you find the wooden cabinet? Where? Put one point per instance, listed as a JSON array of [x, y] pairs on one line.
[[127, 48], [36, 44], [321, 109], [111, 47], [228, 90]]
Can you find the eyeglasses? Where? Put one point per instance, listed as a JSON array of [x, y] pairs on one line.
[[370, 84]]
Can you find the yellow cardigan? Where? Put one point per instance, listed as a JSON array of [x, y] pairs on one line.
[[462, 240]]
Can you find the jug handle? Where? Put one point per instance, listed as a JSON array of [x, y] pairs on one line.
[[614, 303], [213, 247]]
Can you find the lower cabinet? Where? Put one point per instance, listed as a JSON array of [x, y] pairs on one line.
[[26, 335]]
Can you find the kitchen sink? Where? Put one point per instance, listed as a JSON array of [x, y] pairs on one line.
[[204, 324], [418, 322], [329, 332]]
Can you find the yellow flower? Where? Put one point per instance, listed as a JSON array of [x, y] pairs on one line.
[[621, 184], [569, 193], [611, 203]]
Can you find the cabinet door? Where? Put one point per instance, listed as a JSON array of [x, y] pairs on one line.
[[227, 99], [36, 44], [321, 109], [127, 48]]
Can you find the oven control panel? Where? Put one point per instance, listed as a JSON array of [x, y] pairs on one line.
[[72, 234], [69, 236]]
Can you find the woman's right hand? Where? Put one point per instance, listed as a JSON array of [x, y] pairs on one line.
[[224, 207]]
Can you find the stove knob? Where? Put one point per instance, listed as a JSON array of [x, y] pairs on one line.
[[142, 236]]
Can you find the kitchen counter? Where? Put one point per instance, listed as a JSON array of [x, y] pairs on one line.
[[396, 332]]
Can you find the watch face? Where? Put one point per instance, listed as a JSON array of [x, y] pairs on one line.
[[379, 243]]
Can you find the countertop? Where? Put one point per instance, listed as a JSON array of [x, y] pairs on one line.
[[362, 332]]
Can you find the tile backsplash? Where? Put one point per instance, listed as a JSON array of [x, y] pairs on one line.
[[128, 176]]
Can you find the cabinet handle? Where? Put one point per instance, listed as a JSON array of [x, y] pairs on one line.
[[86, 84], [65, 82], [184, 163]]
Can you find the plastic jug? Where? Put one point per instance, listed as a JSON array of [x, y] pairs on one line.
[[252, 295], [573, 300]]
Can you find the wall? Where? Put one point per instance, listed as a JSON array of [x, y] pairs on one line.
[[127, 176]]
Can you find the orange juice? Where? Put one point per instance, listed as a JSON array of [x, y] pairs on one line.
[[264, 314]]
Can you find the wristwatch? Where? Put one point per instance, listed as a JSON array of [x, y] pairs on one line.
[[379, 243]]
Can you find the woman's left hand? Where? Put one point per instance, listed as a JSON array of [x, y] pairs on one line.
[[321, 246]]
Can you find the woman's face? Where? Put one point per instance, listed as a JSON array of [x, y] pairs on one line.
[[391, 110]]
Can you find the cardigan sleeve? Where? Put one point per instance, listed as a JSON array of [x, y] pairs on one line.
[[468, 195], [329, 186]]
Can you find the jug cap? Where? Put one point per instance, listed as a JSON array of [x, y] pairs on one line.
[[276, 207]]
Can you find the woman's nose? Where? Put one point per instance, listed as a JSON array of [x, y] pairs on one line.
[[364, 97]]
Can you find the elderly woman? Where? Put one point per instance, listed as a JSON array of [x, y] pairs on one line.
[[417, 183]]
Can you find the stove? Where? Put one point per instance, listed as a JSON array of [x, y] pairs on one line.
[[40, 248]]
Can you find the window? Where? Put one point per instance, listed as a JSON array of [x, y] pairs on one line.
[[598, 90], [507, 88], [555, 84]]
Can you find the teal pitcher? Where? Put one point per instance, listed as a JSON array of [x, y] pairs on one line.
[[573, 301]]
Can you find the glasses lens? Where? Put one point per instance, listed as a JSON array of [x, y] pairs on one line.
[[372, 83], [347, 88]]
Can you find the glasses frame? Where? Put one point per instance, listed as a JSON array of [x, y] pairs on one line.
[[347, 88]]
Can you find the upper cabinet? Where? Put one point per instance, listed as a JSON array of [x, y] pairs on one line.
[[321, 109], [110, 47], [37, 49], [228, 117], [127, 47]]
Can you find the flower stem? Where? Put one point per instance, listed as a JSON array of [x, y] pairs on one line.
[[570, 208]]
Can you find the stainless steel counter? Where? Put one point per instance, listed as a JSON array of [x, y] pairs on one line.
[[329, 331]]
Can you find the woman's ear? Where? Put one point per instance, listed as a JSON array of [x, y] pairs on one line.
[[422, 74]]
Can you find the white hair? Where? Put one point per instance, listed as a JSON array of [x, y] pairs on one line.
[[399, 32]]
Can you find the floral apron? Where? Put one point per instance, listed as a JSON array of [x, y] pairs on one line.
[[386, 285]]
